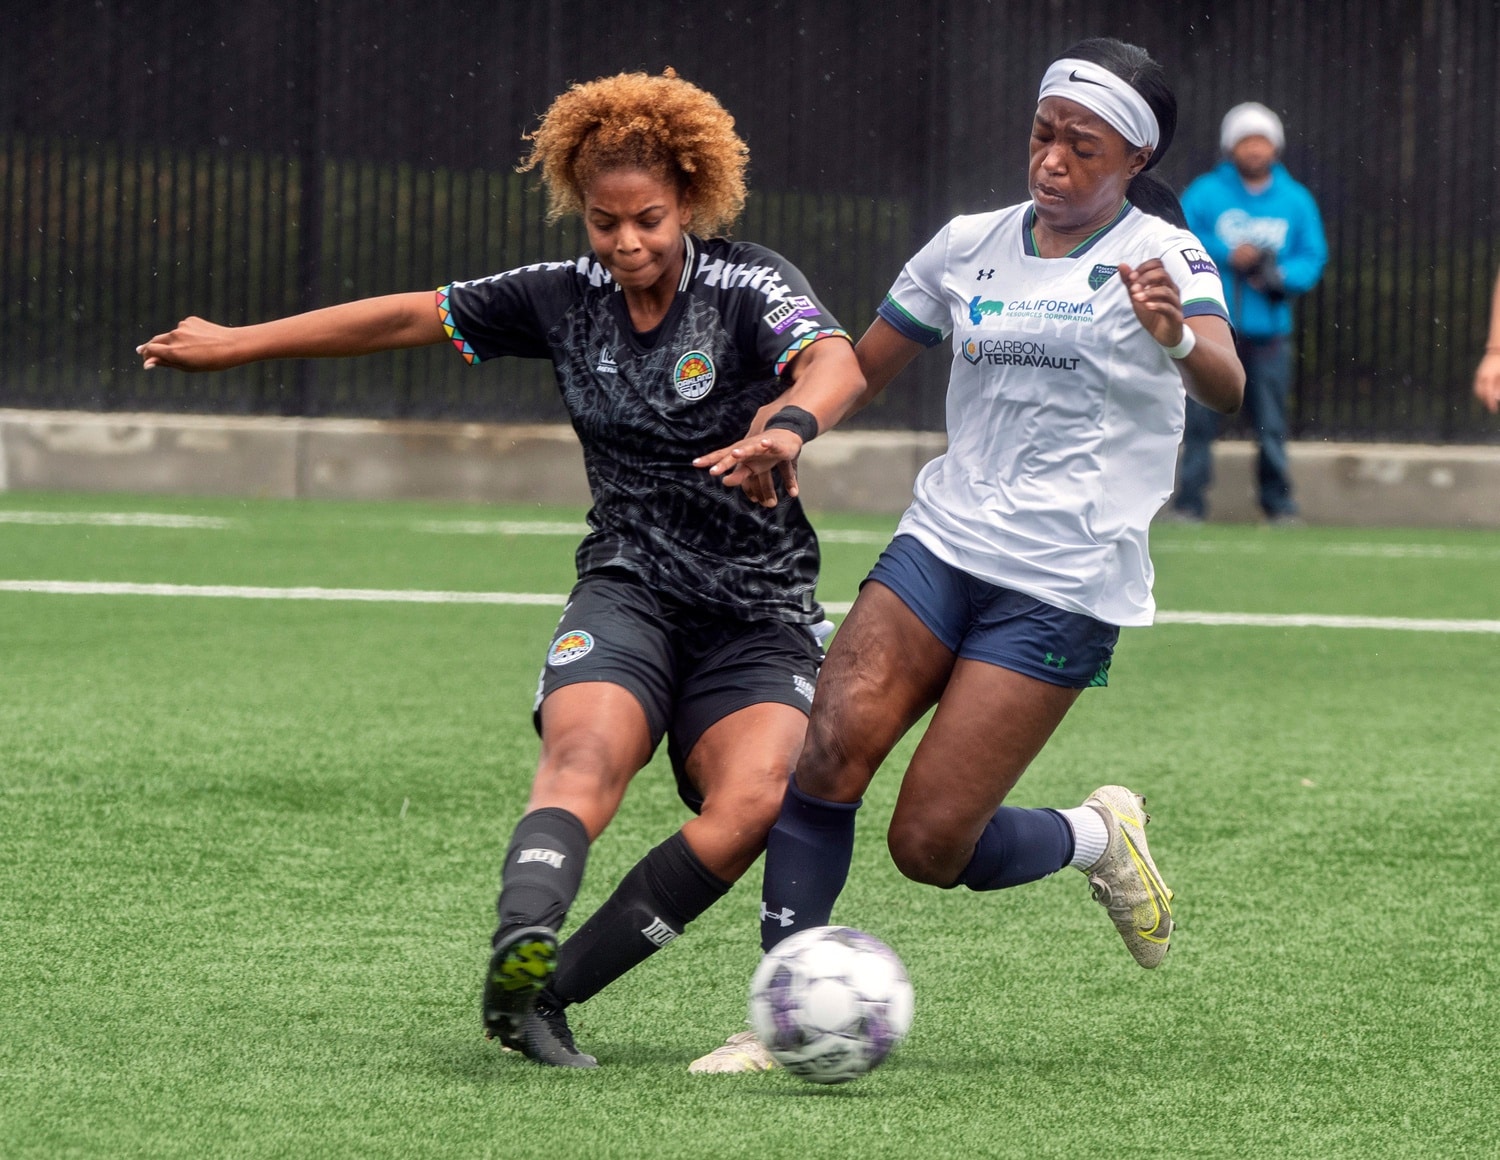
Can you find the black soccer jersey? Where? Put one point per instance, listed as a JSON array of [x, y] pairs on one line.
[[646, 405]]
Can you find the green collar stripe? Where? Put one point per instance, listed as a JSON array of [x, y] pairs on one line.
[[1033, 251]]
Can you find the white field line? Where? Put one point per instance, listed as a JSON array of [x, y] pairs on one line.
[[835, 607], [546, 528], [250, 592], [115, 519], [1356, 550], [1307, 620]]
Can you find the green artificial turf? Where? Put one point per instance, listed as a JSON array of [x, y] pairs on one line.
[[249, 849]]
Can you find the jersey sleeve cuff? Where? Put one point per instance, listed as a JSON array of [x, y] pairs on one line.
[[906, 325], [450, 327], [1200, 307], [806, 341]]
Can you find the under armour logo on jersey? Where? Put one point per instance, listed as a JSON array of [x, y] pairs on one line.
[[553, 858], [784, 918], [659, 932], [983, 274]]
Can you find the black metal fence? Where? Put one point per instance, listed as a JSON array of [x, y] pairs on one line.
[[242, 161]]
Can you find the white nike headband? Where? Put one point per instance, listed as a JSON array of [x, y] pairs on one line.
[[1100, 91]]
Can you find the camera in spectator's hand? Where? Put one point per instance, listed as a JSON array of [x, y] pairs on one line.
[[1266, 276]]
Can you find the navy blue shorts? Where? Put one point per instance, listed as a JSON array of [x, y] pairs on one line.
[[689, 669], [981, 621]]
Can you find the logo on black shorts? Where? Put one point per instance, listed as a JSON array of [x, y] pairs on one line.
[[694, 375], [569, 647], [803, 686]]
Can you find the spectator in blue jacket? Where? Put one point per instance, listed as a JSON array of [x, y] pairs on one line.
[[1262, 229]]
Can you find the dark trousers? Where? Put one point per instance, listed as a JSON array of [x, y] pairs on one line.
[[1268, 380]]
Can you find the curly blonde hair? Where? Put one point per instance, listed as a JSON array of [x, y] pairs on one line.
[[661, 125]]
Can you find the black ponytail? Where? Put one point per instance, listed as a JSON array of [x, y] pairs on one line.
[[1134, 66]]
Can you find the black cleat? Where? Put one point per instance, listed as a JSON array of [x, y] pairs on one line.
[[521, 966], [544, 1037]]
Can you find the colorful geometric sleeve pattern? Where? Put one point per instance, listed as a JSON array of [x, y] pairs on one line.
[[803, 343], [445, 315]]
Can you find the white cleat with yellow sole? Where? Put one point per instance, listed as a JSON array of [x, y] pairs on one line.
[[1125, 880]]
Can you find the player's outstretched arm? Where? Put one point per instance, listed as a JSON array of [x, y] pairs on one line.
[[1487, 381], [826, 386], [1211, 370], [1487, 377], [390, 322]]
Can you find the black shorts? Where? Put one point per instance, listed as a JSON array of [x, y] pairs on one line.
[[688, 669]]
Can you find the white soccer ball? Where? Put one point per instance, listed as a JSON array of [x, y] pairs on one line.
[[830, 1003]]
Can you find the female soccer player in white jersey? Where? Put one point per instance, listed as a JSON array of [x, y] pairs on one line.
[[694, 615], [1075, 321]]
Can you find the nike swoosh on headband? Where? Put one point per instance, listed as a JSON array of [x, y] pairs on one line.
[[1073, 76]]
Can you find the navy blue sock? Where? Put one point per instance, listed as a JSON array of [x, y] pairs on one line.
[[1018, 846], [807, 860]]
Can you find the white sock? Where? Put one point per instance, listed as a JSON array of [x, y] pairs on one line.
[[1090, 835]]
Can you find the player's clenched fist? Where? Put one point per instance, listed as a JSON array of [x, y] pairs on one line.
[[1156, 300], [196, 345]]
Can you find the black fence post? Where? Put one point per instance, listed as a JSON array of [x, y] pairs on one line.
[[310, 170]]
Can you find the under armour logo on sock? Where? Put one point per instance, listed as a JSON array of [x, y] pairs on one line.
[[784, 917], [659, 932], [552, 857]]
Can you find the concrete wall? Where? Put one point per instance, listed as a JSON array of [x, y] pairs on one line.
[[1355, 484]]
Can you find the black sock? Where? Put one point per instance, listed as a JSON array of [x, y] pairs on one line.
[[1018, 846], [663, 892], [807, 860], [543, 869]]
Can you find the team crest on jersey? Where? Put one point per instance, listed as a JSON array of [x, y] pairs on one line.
[[1199, 262], [694, 375], [569, 647], [1101, 274]]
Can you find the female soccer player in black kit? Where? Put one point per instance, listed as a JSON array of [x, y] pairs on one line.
[[694, 614]]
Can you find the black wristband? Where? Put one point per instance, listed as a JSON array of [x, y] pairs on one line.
[[796, 420]]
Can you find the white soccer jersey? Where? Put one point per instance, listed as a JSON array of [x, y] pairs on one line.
[[1064, 415]]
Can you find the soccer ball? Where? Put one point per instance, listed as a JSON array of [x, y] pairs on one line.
[[830, 1003]]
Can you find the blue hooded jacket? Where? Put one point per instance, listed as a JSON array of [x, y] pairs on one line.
[[1282, 218]]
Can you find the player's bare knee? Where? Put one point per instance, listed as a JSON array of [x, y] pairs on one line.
[[579, 769], [922, 855], [751, 806], [831, 766]]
